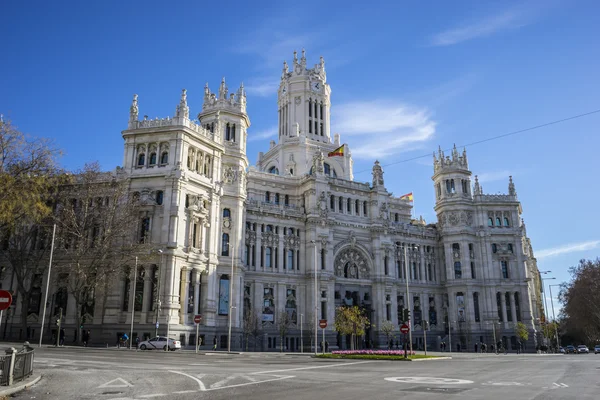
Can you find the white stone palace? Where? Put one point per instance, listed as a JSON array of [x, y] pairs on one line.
[[216, 219]]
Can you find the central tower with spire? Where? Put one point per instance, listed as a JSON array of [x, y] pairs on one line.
[[303, 101]]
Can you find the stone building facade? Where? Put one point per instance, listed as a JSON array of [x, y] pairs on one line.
[[295, 234]]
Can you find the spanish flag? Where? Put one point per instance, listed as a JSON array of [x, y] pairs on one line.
[[408, 197], [337, 152]]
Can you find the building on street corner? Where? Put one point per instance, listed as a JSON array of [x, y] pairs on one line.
[[472, 273]]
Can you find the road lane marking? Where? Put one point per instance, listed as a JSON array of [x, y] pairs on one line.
[[149, 396], [224, 381], [279, 378], [185, 391], [200, 383], [110, 384], [428, 380], [197, 364], [315, 367]]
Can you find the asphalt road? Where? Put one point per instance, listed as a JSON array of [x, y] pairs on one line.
[[78, 373]]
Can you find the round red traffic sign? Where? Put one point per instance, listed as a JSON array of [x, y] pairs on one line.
[[404, 329], [197, 318], [5, 299], [322, 323]]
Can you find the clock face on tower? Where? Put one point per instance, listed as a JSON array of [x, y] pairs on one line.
[[316, 86]]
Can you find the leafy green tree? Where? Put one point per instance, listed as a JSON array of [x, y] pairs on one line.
[[351, 321], [521, 331]]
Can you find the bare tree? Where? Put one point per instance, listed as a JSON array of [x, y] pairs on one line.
[[29, 180], [252, 326], [388, 330], [97, 220], [283, 326]]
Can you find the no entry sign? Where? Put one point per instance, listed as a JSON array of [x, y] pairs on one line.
[[404, 329], [5, 299], [322, 323], [197, 318]]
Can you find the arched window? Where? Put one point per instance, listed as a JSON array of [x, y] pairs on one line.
[[233, 133], [508, 308], [141, 160], [494, 248], [273, 170], [164, 158], [268, 197], [498, 223], [331, 202], [225, 245], [348, 205], [207, 168], [144, 229], [224, 295], [227, 132], [396, 217], [457, 270], [340, 204], [365, 208], [506, 222], [286, 200], [327, 169], [276, 198], [357, 207], [152, 158], [490, 221], [226, 213], [159, 197]]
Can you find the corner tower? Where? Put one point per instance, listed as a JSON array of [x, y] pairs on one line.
[[303, 101]]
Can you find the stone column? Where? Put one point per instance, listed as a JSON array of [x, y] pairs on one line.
[[422, 263], [146, 306], [203, 232], [503, 303], [513, 309], [183, 295]]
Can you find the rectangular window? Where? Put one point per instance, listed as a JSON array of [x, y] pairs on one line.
[[476, 306], [365, 208], [323, 258], [388, 312], [457, 270], [386, 270], [473, 270], [504, 265], [268, 257], [323, 310], [276, 257], [290, 259]]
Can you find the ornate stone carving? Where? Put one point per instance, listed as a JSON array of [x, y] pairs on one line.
[[229, 174], [318, 163], [270, 239], [351, 263], [377, 174], [250, 237], [133, 110], [291, 241]]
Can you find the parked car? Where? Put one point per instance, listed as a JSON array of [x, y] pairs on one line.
[[160, 343], [582, 348], [570, 349], [597, 349], [562, 350]]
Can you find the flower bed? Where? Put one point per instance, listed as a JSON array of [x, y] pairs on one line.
[[372, 352]]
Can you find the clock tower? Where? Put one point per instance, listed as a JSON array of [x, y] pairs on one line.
[[303, 101]]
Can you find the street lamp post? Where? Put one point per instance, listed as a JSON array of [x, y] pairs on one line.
[[47, 287], [301, 340], [230, 299], [158, 303], [450, 334], [545, 301], [408, 297], [133, 302], [316, 299], [554, 318]]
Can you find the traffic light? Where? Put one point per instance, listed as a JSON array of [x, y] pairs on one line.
[[58, 322], [406, 315], [426, 325]]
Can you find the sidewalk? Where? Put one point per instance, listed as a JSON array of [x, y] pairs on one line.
[[6, 391]]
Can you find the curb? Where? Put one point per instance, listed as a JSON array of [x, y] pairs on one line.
[[431, 359], [21, 387]]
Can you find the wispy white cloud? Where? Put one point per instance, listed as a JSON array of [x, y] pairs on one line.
[[568, 248], [511, 19], [382, 128], [263, 87], [261, 135], [493, 176]]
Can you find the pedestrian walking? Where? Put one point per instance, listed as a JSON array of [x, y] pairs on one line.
[[475, 347], [519, 347], [137, 342], [326, 346], [62, 337], [215, 343]]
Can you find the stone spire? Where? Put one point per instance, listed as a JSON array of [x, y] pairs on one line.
[[477, 188], [183, 111], [133, 110], [223, 89], [286, 70], [303, 60], [511, 187]]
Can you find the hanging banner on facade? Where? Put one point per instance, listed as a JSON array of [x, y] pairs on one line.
[[223, 296]]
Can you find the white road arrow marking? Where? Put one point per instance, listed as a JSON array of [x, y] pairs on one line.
[[200, 383], [110, 384]]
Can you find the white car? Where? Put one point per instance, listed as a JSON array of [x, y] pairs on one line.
[[160, 343], [582, 348]]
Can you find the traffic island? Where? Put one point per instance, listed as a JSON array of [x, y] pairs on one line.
[[393, 355]]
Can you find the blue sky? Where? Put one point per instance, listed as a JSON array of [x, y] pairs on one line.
[[405, 76]]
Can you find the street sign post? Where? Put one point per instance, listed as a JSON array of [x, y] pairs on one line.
[[197, 320], [5, 302], [404, 329], [323, 325]]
